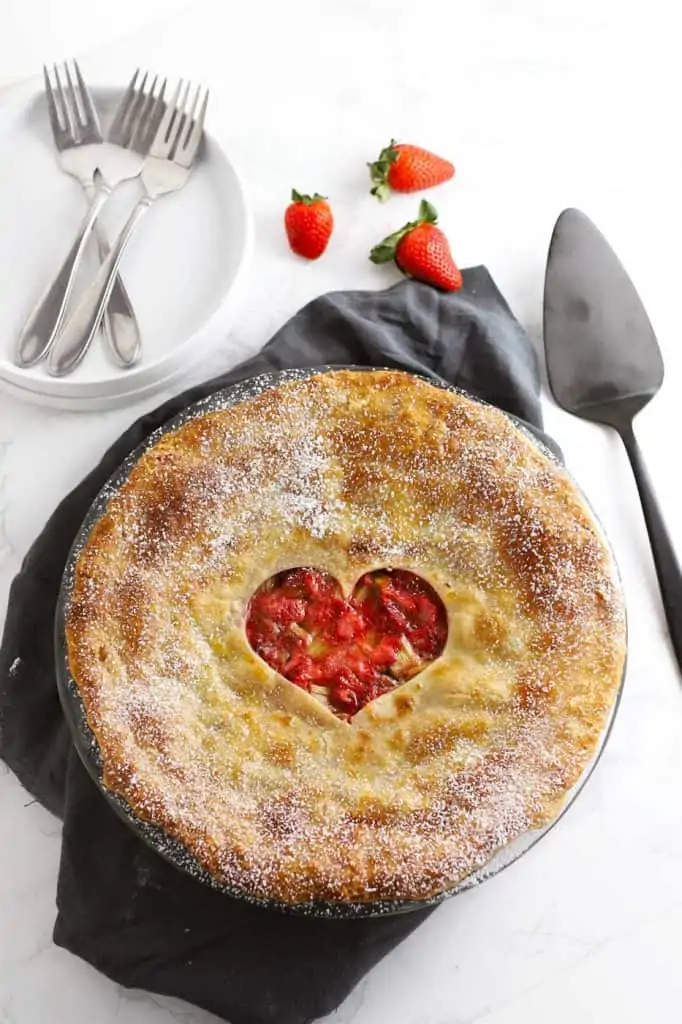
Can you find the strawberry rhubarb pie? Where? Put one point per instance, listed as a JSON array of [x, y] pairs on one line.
[[346, 639]]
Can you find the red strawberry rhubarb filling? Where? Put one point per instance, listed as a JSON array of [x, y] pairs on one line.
[[348, 652]]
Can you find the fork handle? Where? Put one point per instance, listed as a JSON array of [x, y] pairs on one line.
[[121, 329], [76, 338], [46, 319]]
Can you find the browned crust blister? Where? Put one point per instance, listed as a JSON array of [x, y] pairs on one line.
[[348, 472]]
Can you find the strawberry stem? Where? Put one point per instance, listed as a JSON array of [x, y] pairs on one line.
[[427, 212], [385, 251], [297, 197], [378, 171]]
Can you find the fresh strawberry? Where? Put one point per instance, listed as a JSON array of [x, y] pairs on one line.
[[421, 250], [309, 224], [405, 168]]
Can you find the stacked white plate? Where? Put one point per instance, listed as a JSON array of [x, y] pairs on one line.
[[183, 268]]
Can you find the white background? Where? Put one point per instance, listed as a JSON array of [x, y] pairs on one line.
[[541, 106]]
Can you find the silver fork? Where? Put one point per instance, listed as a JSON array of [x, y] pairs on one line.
[[99, 167], [166, 169], [132, 128]]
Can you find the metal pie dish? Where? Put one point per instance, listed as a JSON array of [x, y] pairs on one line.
[[86, 742]]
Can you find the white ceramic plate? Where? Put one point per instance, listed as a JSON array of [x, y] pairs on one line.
[[94, 403], [182, 269]]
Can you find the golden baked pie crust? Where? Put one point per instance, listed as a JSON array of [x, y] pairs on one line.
[[347, 472]]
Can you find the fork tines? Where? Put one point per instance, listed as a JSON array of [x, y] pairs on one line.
[[169, 130], [72, 113], [139, 112], [143, 121], [180, 131]]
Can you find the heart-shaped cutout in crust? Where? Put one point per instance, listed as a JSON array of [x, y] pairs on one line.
[[347, 652]]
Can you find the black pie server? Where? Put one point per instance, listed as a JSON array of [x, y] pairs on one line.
[[604, 364]]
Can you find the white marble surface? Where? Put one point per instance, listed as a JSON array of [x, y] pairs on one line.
[[541, 106]]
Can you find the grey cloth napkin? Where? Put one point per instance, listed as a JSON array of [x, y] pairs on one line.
[[120, 906]]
